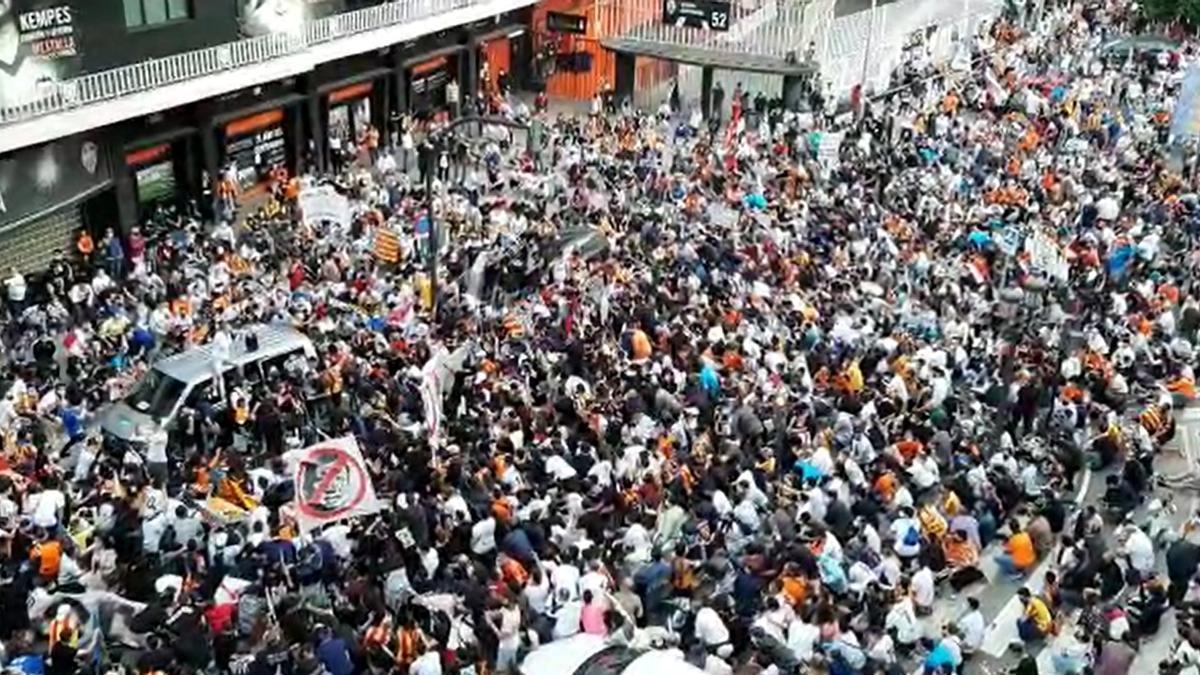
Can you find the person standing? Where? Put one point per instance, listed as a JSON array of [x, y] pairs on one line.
[[114, 253], [453, 99]]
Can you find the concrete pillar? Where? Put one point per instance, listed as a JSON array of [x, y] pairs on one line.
[[793, 91], [706, 85], [626, 77]]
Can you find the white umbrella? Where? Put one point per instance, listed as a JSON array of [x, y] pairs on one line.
[[1107, 209]]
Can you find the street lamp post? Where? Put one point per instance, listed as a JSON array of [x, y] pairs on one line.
[[437, 144]]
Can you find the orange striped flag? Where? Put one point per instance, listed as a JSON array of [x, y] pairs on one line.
[[387, 246]]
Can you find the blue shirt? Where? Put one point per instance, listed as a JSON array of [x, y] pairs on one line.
[[72, 423], [335, 657], [939, 658], [709, 379]]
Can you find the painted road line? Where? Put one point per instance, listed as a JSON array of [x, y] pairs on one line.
[[1002, 631]]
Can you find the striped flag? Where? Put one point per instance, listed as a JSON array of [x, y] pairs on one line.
[[387, 246]]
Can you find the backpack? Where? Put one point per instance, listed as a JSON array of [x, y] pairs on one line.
[[912, 537]]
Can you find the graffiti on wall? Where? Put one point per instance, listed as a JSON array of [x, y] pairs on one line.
[[39, 46]]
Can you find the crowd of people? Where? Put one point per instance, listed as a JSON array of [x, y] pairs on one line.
[[712, 389]]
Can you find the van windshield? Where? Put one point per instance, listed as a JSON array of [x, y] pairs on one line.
[[156, 394]]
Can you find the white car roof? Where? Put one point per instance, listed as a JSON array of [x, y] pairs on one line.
[[564, 657]]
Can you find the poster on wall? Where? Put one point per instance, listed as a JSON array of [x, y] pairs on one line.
[[255, 145], [39, 46], [710, 14], [39, 178], [263, 17]]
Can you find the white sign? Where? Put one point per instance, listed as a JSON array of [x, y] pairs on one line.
[[1046, 257], [828, 152], [323, 203], [332, 483]]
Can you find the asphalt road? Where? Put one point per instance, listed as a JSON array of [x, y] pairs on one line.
[[998, 602]]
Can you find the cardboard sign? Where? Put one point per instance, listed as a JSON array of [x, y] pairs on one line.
[[332, 483]]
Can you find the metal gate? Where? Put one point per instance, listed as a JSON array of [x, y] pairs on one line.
[[30, 246]]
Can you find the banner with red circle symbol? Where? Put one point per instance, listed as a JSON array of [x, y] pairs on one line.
[[332, 483]]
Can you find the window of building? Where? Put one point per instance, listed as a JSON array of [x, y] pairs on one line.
[[139, 13]]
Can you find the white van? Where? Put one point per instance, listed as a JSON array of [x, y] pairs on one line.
[[156, 399]]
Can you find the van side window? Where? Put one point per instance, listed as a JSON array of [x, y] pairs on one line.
[[280, 363], [199, 393]]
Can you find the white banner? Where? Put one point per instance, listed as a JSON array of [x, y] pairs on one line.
[[332, 483], [323, 203]]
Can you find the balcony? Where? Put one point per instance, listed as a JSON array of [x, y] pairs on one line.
[[72, 103]]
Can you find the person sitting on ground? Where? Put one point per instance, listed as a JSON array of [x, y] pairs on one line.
[[1019, 554], [962, 560], [1037, 622]]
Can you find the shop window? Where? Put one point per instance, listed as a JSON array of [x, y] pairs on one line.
[[140, 13]]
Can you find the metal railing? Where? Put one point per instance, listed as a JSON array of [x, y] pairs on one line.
[[844, 46], [53, 97]]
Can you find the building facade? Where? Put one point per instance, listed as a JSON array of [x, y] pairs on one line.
[[109, 108]]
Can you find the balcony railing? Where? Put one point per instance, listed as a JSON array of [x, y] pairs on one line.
[[54, 97]]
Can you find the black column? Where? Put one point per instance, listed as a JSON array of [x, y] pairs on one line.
[[316, 124], [126, 192], [399, 80], [793, 91], [468, 69], [211, 154], [187, 161], [706, 85], [626, 77], [384, 117], [295, 117]]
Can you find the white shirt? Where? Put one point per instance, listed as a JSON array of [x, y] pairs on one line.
[[46, 508], [565, 578], [483, 536], [801, 639], [923, 587], [536, 595], [710, 629], [429, 663], [902, 617], [973, 628], [1140, 550], [559, 469], [16, 287], [595, 582], [900, 531]]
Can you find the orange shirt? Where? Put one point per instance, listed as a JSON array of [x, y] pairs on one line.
[[49, 557], [1020, 547], [640, 345], [909, 448], [795, 588]]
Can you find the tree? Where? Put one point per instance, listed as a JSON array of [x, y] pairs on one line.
[[1187, 11]]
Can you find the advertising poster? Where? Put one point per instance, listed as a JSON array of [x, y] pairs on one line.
[[39, 46], [35, 179], [263, 17]]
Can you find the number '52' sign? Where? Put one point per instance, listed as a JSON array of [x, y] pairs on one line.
[[710, 14]]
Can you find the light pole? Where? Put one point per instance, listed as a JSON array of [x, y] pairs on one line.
[[862, 81], [437, 144]]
